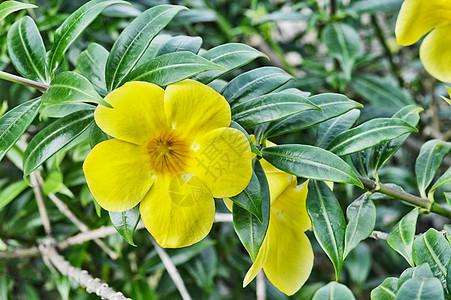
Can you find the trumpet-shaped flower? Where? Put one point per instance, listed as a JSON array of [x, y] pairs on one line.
[[286, 255], [418, 17], [172, 151]]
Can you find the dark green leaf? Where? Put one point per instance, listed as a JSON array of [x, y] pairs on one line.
[[14, 123], [362, 218], [91, 64], [96, 135], [328, 222], [134, 40], [361, 162], [368, 135], [386, 290], [402, 236], [445, 178], [270, 107], [172, 67], [251, 198], [54, 137], [282, 16], [72, 27], [10, 193], [422, 271], [254, 149], [26, 50], [334, 291], [126, 222], [8, 7], [310, 162], [421, 288], [329, 129], [181, 43]]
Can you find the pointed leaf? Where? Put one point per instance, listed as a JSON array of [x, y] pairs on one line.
[[181, 43], [10, 193], [91, 64], [254, 149], [125, 223], [251, 198], [386, 290], [334, 291], [329, 129], [421, 288], [8, 7]]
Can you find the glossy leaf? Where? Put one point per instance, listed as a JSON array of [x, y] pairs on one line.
[[91, 64], [126, 222], [254, 149], [368, 135], [72, 27], [248, 228], [361, 162], [134, 40], [386, 290], [429, 160], [254, 83], [329, 129], [10, 193], [332, 105], [14, 123], [71, 87], [270, 107], [54, 137], [26, 50], [362, 218], [96, 135], [421, 288], [328, 222], [251, 198], [422, 271], [402, 236], [8, 7], [181, 43], [310, 162], [444, 179], [334, 291], [172, 67], [230, 56]]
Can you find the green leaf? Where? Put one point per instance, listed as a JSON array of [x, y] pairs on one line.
[[126, 222], [14, 123], [371, 6], [54, 137], [343, 42], [386, 290], [358, 264], [8, 7], [172, 67], [71, 87], [384, 151], [434, 249], [421, 288], [10, 193], [72, 27], [251, 198], [248, 228], [254, 149], [329, 129], [310, 162], [334, 291], [230, 56], [254, 83], [181, 43], [328, 222], [91, 64], [445, 178], [270, 107], [429, 160], [332, 105], [96, 135], [361, 162], [402, 236], [26, 50], [134, 40], [368, 135], [422, 271], [362, 218]]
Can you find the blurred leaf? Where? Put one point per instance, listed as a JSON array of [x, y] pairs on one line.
[[282, 16], [14, 123], [126, 222], [445, 178], [8, 7], [386, 290], [402, 236], [328, 222], [421, 288], [428, 161], [368, 135], [72, 27], [91, 64], [334, 291], [134, 40], [254, 149], [10, 193], [310, 162], [27, 51], [141, 290], [181, 43], [54, 137], [371, 6], [196, 15], [358, 264], [362, 218], [170, 68], [270, 107], [329, 129], [422, 271]]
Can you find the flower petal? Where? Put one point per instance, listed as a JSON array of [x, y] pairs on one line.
[[258, 263], [195, 108], [417, 17], [118, 174], [435, 53], [137, 113], [223, 161], [178, 211], [278, 180]]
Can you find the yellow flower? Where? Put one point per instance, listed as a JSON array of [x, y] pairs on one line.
[[172, 152], [418, 17], [286, 255]]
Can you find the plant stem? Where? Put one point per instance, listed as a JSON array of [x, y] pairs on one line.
[[333, 7], [373, 186], [34, 84]]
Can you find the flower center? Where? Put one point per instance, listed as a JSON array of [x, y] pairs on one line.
[[169, 154]]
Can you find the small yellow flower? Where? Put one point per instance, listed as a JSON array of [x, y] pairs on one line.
[[418, 17], [172, 152], [286, 255]]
